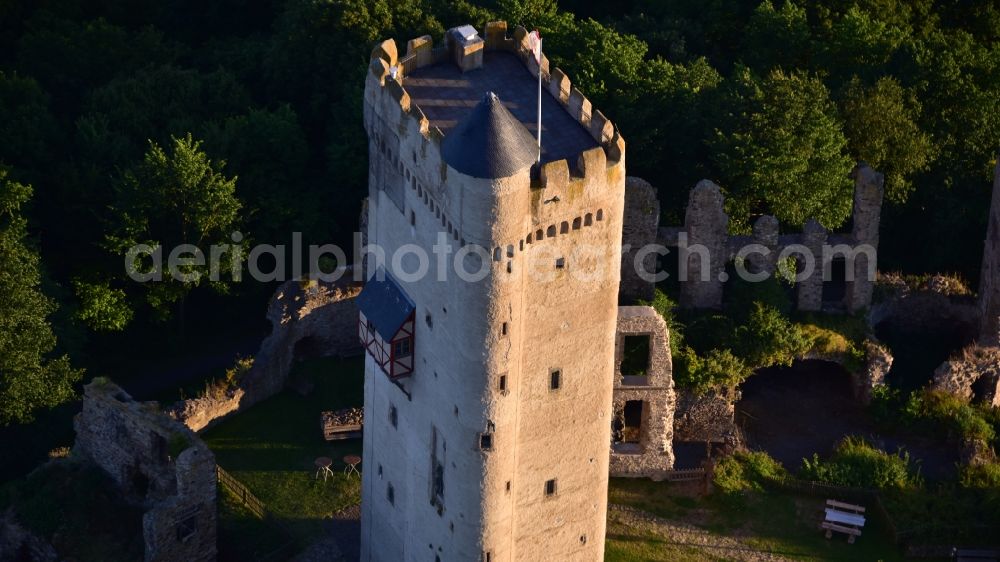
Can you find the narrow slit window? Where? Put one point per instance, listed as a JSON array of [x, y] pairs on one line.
[[390, 494], [550, 487], [555, 380], [600, 214], [503, 329], [393, 415], [413, 218], [503, 383]]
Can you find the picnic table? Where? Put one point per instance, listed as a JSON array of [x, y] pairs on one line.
[[843, 518]]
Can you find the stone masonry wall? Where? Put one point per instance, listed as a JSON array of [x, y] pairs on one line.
[[308, 319], [706, 417], [706, 230], [158, 463], [639, 227], [976, 364], [655, 452]]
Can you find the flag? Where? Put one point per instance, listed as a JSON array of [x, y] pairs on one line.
[[535, 42]]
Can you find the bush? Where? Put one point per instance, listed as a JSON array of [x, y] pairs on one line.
[[747, 471], [741, 296], [719, 368], [937, 411], [769, 338], [856, 463]]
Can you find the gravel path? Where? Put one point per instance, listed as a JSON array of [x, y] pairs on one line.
[[682, 534]]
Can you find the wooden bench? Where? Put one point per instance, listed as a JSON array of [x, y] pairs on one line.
[[975, 555], [843, 518]]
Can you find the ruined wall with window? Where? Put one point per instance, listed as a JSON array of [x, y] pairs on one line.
[[643, 415], [159, 464], [838, 275]]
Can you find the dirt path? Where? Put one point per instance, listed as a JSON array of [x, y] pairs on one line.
[[683, 534]]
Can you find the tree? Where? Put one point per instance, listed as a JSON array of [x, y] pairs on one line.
[[780, 147], [101, 307], [777, 37], [30, 379], [175, 198], [881, 127], [27, 129]]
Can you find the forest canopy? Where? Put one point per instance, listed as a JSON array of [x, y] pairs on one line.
[[103, 105]]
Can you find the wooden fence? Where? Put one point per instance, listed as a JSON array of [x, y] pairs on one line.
[[685, 474], [241, 492]]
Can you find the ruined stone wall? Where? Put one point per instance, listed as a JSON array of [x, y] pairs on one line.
[[706, 247], [654, 454], [158, 463], [706, 417], [308, 319], [974, 366], [706, 225], [639, 228]]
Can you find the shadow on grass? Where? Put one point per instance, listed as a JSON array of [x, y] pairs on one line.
[[272, 447]]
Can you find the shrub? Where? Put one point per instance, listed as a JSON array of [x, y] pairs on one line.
[[936, 411], [829, 343], [768, 338], [857, 463], [741, 297], [745, 471], [719, 368]]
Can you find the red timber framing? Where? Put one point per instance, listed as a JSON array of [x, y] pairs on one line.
[[395, 356]]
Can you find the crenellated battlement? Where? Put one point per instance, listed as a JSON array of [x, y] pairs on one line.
[[390, 72]]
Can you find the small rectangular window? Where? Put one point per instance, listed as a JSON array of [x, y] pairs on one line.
[[550, 487], [503, 383], [555, 380], [560, 263], [390, 494], [503, 329], [508, 486], [393, 415], [485, 441], [413, 218]]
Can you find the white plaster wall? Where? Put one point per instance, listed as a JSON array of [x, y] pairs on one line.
[[564, 323]]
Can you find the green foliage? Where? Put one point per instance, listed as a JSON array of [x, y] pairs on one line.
[[780, 134], [881, 126], [777, 37], [942, 413], [856, 463], [31, 378], [27, 128], [101, 307], [176, 198], [718, 368], [79, 510], [747, 471], [769, 338]]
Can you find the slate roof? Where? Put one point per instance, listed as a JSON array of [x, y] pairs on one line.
[[385, 304], [489, 142], [446, 95]]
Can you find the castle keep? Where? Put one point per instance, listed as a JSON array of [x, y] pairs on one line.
[[488, 403]]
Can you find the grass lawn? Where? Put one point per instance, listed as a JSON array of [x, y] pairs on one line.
[[779, 522], [271, 448]]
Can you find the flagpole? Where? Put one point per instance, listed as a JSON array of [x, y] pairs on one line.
[[539, 98]]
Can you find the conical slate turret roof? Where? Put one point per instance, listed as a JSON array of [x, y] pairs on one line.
[[489, 142]]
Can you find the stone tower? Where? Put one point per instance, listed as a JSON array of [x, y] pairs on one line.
[[989, 280], [488, 400]]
